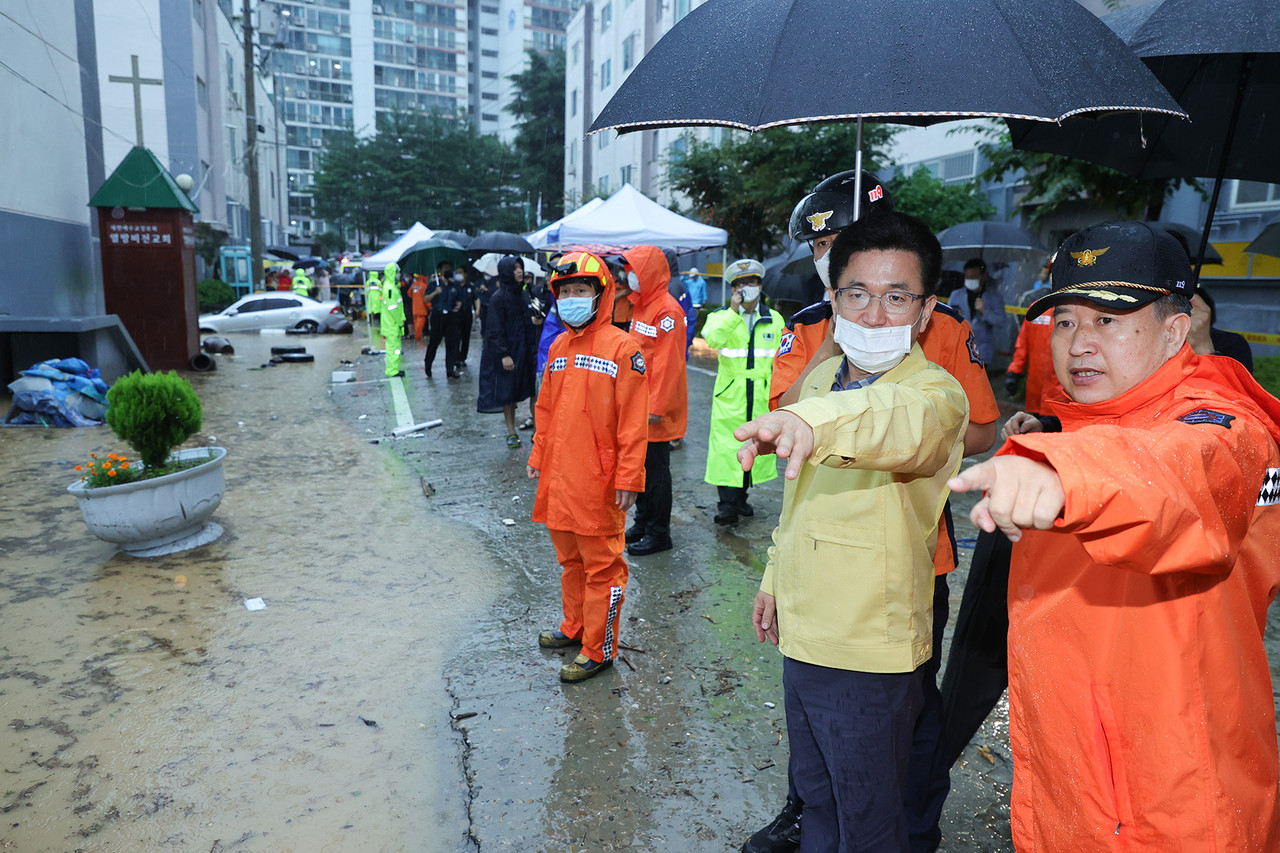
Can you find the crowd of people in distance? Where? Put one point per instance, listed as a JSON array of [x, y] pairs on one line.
[[1126, 557]]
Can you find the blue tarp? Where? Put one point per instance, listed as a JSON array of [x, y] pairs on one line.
[[61, 392]]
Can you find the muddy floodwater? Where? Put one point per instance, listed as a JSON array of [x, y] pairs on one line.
[[391, 695]]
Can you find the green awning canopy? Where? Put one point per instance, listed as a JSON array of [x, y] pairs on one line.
[[140, 181]]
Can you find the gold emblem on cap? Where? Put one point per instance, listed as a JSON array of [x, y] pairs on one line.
[[1089, 257], [742, 265], [819, 220]]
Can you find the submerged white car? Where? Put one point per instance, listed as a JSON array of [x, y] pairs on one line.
[[273, 310]]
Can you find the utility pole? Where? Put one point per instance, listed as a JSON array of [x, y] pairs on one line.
[[251, 150]]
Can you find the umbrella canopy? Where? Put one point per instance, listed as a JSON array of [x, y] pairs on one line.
[[1266, 243], [1045, 60], [462, 238], [1192, 236], [791, 276], [309, 263], [1221, 60], [284, 253], [989, 235], [488, 264], [1036, 59], [503, 242], [423, 257]]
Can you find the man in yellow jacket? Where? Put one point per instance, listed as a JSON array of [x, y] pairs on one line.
[[847, 591]]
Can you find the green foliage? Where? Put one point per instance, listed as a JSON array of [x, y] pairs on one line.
[[330, 242], [208, 241], [214, 295], [538, 106], [940, 205], [153, 413], [1054, 181], [436, 169], [749, 183], [1266, 369]]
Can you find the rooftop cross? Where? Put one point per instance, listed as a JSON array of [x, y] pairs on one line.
[[138, 83]]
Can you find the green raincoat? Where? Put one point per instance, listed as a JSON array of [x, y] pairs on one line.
[[741, 390], [392, 316]]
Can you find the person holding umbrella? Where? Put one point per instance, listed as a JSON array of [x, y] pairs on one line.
[[510, 349], [746, 334], [981, 303], [445, 297]]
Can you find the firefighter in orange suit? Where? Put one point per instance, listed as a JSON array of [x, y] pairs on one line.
[[1031, 357], [658, 324], [416, 291], [588, 457], [1144, 561]]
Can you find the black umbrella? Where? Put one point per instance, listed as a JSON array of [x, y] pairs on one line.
[[1266, 243], [309, 263], [1221, 60], [503, 242], [283, 253], [994, 242], [459, 237], [905, 61], [1192, 236], [423, 257], [791, 276]]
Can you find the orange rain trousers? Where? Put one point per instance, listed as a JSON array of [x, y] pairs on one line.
[[592, 588]]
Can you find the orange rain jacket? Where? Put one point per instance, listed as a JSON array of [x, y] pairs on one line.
[[592, 414], [1141, 708], [658, 323], [948, 341], [1032, 355]]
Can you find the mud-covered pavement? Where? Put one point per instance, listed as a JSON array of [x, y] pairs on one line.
[[392, 695]]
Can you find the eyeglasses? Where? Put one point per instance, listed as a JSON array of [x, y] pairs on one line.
[[895, 302]]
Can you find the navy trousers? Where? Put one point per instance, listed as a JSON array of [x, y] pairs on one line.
[[850, 736]]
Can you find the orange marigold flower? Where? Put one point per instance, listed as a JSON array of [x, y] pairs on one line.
[[93, 456], [111, 473], [79, 467]]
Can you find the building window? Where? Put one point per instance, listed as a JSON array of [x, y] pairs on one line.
[[603, 185], [573, 153], [573, 103], [488, 31], [488, 117], [202, 94], [489, 75], [602, 139], [606, 16], [629, 52], [575, 53], [489, 96], [489, 54], [626, 175], [606, 73], [1255, 194], [489, 10]]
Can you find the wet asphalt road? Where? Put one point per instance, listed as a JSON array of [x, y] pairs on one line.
[[152, 715]]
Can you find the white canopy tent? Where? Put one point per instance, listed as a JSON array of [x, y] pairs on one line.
[[549, 234], [629, 218], [394, 252]]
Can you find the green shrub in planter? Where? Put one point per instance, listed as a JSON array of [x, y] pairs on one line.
[[214, 295], [153, 413]]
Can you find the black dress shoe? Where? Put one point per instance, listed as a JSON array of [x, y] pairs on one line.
[[634, 533], [726, 516], [428, 374], [453, 374], [781, 835], [649, 544], [746, 511]]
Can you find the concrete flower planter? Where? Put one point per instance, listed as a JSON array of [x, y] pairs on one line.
[[150, 518]]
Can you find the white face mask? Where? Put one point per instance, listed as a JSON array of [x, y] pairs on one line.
[[750, 293], [972, 283], [872, 350], [824, 268], [633, 282]]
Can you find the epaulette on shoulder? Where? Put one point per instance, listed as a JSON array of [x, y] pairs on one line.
[[947, 311], [818, 312]]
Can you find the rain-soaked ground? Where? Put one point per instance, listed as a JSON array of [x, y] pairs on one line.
[[391, 696]]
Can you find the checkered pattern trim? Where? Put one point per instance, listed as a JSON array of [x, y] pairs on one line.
[[596, 364], [644, 329], [559, 364], [1270, 494], [615, 602]]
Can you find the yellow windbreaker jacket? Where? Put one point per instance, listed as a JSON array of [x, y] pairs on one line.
[[851, 565]]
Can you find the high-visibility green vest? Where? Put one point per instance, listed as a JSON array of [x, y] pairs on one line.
[[741, 390], [373, 293], [392, 302]]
